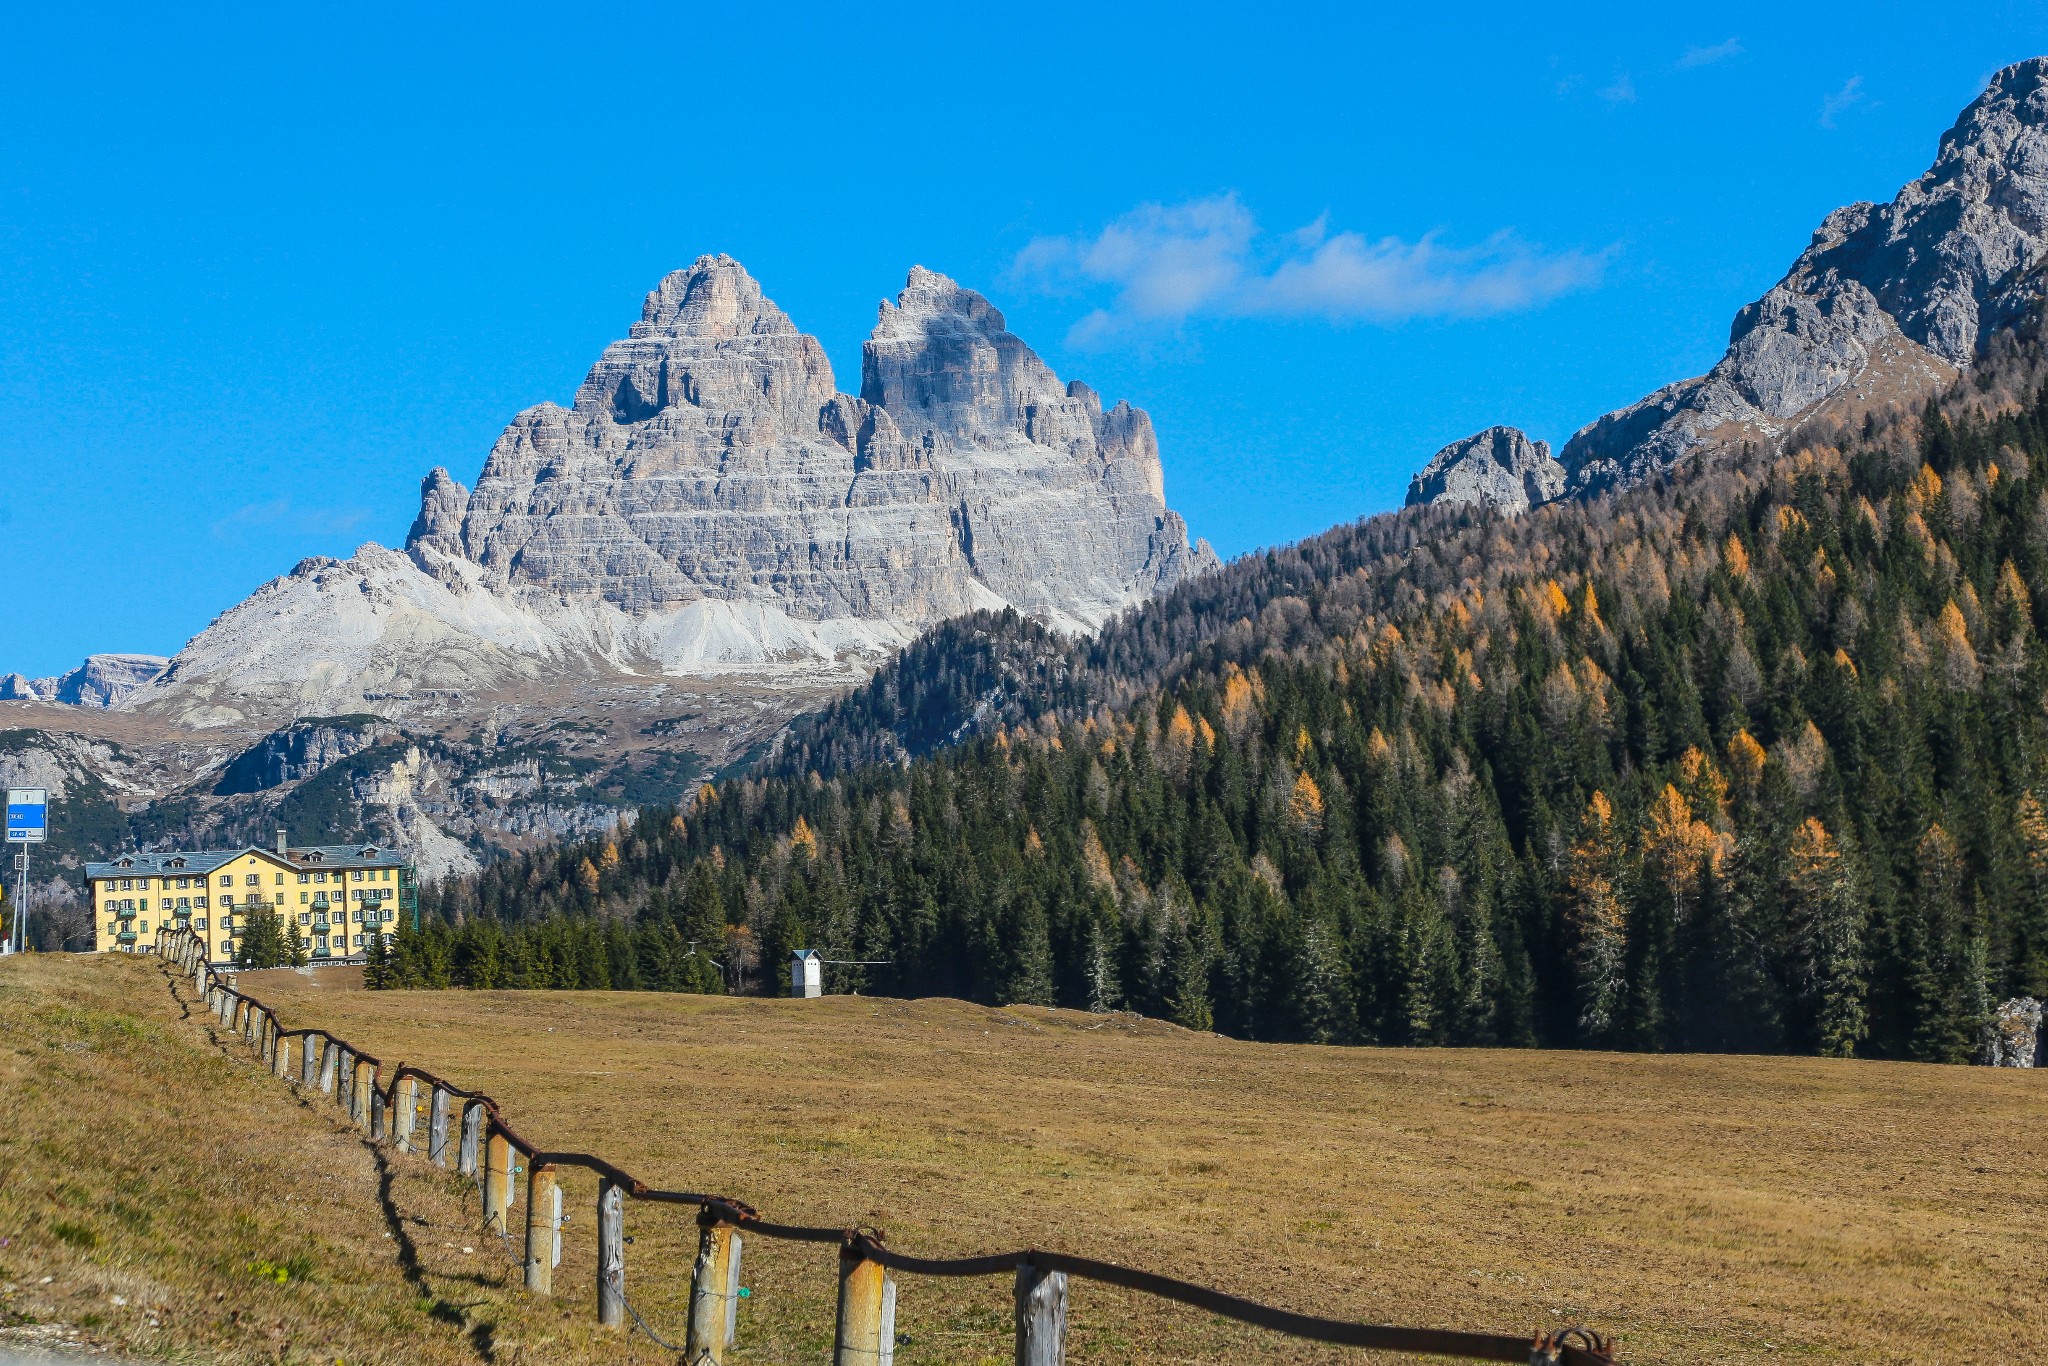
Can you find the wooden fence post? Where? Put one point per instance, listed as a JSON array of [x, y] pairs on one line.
[[497, 1181], [867, 1311], [407, 1096], [363, 1085], [280, 1053], [1041, 1316], [345, 1081], [714, 1291], [472, 1130], [380, 1111], [437, 1128], [309, 1061], [543, 1222], [611, 1254], [330, 1057]]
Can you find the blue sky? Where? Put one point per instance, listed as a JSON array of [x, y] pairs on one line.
[[260, 271]]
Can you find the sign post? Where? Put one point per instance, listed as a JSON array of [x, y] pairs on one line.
[[28, 822]]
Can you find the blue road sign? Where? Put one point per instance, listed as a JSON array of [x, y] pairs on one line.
[[28, 815]]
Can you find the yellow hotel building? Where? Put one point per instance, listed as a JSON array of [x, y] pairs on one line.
[[337, 894]]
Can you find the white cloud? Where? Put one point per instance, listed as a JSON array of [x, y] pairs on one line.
[[1707, 56], [281, 512], [1623, 91], [1208, 257], [1849, 97]]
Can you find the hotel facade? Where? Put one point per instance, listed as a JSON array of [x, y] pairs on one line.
[[338, 895]]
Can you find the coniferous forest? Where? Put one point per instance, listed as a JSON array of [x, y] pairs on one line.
[[1752, 759]]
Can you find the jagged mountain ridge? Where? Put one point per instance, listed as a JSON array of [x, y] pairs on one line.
[[643, 587], [1499, 467], [1887, 305], [100, 681], [710, 504]]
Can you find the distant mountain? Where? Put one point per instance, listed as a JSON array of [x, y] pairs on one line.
[[101, 681], [1888, 304], [1499, 467], [710, 506], [643, 587]]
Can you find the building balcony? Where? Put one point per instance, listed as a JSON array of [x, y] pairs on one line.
[[125, 913], [126, 936]]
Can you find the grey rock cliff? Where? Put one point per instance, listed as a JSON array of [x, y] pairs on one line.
[[1498, 468], [710, 505], [1888, 302], [101, 681]]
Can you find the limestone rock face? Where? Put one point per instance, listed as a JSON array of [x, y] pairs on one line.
[[101, 681], [1497, 468], [1888, 303], [710, 505]]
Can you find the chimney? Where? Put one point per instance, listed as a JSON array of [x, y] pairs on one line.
[[280, 844]]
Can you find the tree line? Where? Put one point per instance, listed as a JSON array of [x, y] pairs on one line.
[[1752, 759]]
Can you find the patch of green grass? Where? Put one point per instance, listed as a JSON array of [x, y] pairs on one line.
[[77, 1235], [297, 1267]]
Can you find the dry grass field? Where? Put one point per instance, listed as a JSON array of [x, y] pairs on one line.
[[163, 1198], [1702, 1208]]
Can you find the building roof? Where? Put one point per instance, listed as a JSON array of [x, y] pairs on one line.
[[190, 863]]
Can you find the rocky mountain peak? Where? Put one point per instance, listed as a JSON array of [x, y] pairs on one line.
[[942, 362], [443, 502], [708, 344], [1497, 468], [101, 681], [1887, 304], [711, 506], [715, 297]]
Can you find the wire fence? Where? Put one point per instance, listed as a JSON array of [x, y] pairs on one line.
[[388, 1105]]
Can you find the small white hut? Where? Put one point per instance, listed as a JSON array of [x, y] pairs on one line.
[[806, 974]]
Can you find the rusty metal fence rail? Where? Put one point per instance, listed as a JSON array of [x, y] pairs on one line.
[[388, 1107]]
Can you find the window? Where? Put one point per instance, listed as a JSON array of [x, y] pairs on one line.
[[143, 904], [280, 879], [319, 877], [305, 877], [227, 922], [302, 898], [305, 920], [199, 923], [113, 927], [254, 878], [127, 885], [227, 879], [227, 899], [143, 926], [184, 903], [183, 881], [200, 902], [359, 875], [359, 941]]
